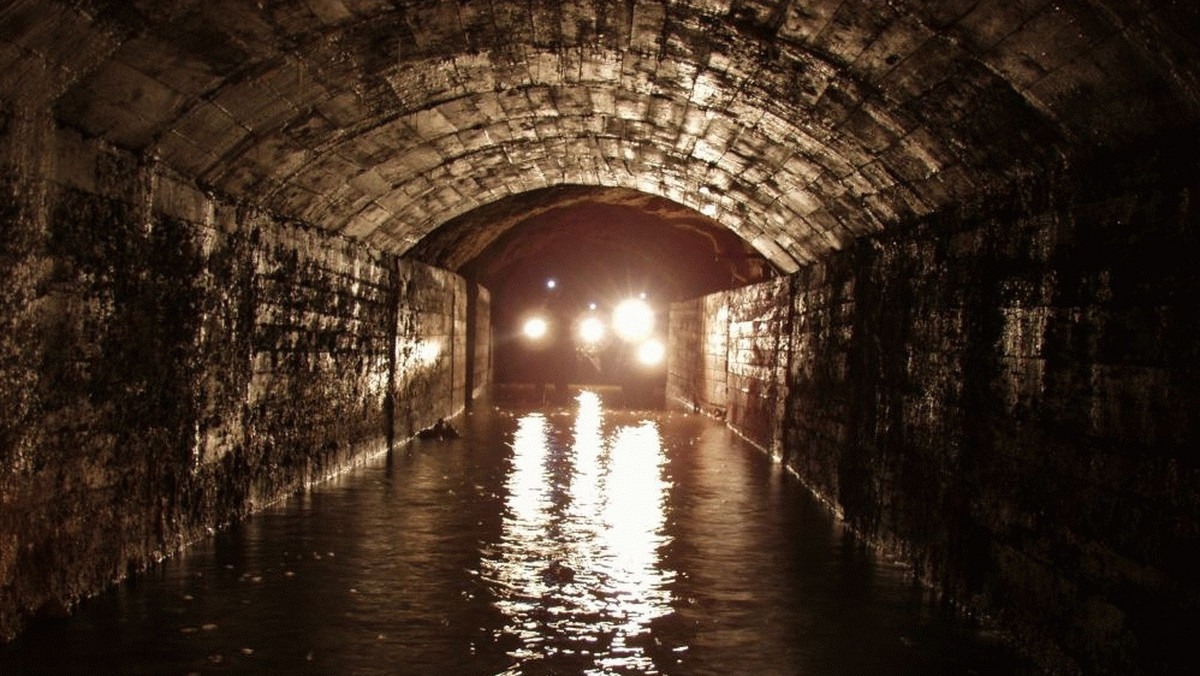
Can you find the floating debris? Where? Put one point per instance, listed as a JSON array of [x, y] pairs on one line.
[[558, 573]]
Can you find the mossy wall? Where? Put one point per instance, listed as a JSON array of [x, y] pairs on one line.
[[1006, 394], [170, 361]]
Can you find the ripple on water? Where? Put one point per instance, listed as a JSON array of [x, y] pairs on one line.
[[580, 541]]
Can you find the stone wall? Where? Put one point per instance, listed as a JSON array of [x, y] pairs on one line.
[[685, 373], [698, 354], [1006, 395], [736, 369], [170, 362], [480, 343]]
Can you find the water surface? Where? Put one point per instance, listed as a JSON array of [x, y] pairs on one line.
[[579, 540]]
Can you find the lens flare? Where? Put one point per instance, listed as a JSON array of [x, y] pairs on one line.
[[651, 353], [535, 328], [591, 330], [633, 320]]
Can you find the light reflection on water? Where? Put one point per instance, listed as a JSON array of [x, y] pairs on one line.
[[577, 571], [581, 540]]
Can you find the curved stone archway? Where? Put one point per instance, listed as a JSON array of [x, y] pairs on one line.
[[799, 126], [217, 216]]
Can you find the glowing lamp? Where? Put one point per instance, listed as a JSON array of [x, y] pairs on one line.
[[535, 328], [633, 320], [651, 353], [591, 330]]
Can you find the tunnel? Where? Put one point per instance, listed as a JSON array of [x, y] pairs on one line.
[[935, 258]]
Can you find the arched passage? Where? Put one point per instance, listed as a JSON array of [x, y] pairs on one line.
[[214, 211], [798, 126], [600, 245]]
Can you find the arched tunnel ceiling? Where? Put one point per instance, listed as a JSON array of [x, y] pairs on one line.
[[797, 124], [562, 231]]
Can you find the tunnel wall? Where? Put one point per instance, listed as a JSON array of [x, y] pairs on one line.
[[480, 343], [170, 362], [698, 354], [1006, 395], [728, 357]]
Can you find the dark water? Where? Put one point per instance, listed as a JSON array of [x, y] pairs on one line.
[[571, 541]]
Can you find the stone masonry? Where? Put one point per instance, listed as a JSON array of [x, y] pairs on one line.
[[1015, 416], [170, 362], [977, 219]]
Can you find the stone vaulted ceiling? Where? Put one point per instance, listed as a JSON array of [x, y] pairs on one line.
[[797, 124]]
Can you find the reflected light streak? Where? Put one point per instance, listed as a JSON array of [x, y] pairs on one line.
[[525, 482], [588, 450], [634, 516], [577, 571]]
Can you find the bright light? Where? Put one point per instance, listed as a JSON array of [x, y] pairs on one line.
[[633, 319], [429, 351], [536, 328], [651, 352], [551, 283], [598, 506], [591, 330]]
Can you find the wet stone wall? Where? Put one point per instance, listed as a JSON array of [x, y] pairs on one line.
[[685, 385], [479, 344], [431, 337], [729, 354], [758, 350], [170, 362], [698, 355], [1007, 396]]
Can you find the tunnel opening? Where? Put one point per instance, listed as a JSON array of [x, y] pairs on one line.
[[569, 257]]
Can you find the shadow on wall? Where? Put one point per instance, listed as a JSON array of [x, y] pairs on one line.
[[166, 369], [1005, 395]]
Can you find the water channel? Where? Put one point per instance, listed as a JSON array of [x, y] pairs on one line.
[[575, 540]]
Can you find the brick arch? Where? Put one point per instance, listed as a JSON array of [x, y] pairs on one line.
[[799, 126], [792, 186]]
